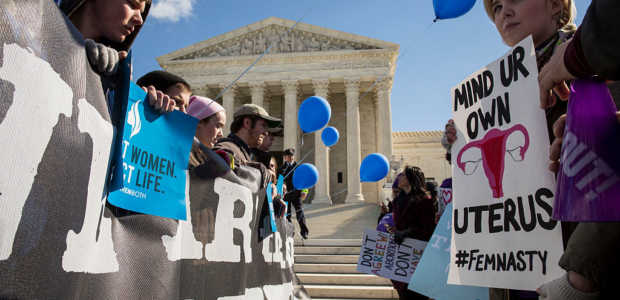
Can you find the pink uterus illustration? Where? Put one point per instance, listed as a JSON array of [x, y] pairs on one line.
[[493, 150]]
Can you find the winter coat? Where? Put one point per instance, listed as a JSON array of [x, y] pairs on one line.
[[242, 154], [237, 147], [284, 170], [416, 214], [595, 48], [206, 163], [592, 251]]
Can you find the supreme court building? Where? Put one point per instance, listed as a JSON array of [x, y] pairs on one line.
[[354, 73]]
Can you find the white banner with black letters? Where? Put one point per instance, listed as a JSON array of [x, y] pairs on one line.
[[503, 235]]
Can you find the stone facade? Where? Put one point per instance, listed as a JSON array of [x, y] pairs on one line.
[[354, 73], [422, 149]]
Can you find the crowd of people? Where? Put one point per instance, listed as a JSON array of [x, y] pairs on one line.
[[252, 132], [110, 27], [563, 50]]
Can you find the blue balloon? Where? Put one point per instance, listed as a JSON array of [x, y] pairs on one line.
[[305, 176], [314, 113], [330, 136], [374, 167], [448, 9]]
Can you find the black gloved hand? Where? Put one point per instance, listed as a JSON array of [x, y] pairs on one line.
[[400, 235]]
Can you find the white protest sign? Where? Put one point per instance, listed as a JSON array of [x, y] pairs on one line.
[[503, 235], [381, 256]]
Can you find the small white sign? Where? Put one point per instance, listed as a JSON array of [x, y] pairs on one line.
[[381, 256]]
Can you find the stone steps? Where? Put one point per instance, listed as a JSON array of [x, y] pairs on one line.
[[327, 268], [328, 250], [326, 259], [341, 279], [351, 291], [329, 242]]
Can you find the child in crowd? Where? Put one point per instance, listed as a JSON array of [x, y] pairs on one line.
[[169, 84]]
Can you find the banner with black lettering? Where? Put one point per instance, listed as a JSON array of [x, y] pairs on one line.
[[503, 235], [58, 239]]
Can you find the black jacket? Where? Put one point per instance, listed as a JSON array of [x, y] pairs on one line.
[[599, 35], [284, 170]]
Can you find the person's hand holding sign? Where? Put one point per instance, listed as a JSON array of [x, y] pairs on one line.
[[556, 147], [160, 101], [400, 235], [552, 78], [179, 103], [555, 151]]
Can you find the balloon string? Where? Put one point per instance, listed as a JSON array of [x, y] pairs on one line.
[[301, 150], [369, 89], [429, 25], [298, 164]]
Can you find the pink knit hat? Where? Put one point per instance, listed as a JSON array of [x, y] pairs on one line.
[[203, 107]]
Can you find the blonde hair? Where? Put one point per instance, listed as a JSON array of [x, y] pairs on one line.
[[566, 20]]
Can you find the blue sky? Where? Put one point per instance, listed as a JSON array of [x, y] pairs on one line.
[[434, 56]]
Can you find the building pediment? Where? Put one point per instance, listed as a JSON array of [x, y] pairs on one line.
[[276, 35]]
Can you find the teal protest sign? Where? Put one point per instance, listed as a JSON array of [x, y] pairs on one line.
[[151, 159], [280, 185], [432, 273], [272, 217]]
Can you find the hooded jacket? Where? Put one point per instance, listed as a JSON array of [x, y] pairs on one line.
[[69, 7]]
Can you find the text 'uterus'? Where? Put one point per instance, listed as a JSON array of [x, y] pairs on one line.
[[493, 148]]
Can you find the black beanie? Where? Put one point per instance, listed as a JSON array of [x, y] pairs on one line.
[[161, 80]]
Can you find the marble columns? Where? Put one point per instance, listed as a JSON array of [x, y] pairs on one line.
[[354, 186], [290, 114], [257, 90], [321, 152], [228, 101]]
